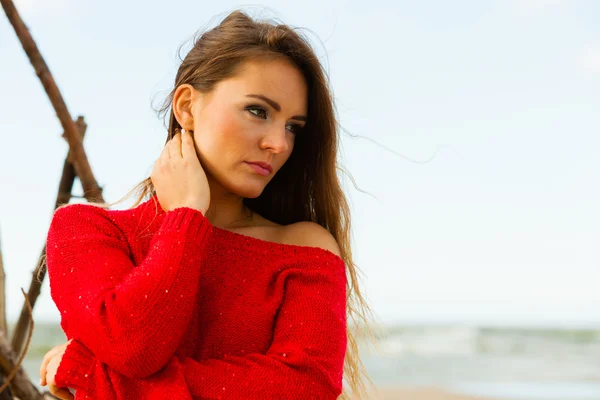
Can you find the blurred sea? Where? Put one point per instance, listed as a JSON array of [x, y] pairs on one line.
[[508, 363]]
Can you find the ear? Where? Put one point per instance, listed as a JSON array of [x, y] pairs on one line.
[[183, 99]]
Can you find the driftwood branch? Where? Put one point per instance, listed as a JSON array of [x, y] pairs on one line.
[[77, 160], [64, 195], [91, 190], [10, 364], [76, 164]]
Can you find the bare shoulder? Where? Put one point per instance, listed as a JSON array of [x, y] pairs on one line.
[[311, 234]]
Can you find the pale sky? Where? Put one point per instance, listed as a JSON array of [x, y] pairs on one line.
[[483, 205]]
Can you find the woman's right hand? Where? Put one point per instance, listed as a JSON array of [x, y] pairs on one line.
[[178, 176]]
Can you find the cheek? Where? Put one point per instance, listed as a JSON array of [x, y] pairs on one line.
[[231, 131], [225, 138]]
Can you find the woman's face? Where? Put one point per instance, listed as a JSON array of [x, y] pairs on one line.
[[251, 117]]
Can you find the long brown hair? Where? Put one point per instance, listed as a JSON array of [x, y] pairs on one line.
[[307, 187]]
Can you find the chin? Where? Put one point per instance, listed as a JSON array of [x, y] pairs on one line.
[[249, 190], [252, 193]]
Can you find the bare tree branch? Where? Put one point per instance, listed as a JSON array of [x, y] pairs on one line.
[[10, 365], [91, 190]]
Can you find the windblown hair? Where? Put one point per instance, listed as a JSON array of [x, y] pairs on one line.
[[307, 187]]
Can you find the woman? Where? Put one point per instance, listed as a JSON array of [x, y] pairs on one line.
[[230, 280]]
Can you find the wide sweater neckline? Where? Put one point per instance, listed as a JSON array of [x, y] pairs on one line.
[[251, 243]]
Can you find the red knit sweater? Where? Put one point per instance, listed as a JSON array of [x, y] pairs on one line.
[[162, 305]]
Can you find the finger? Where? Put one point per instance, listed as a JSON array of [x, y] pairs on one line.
[[61, 393], [64, 393], [175, 146], [188, 149], [44, 366], [43, 371]]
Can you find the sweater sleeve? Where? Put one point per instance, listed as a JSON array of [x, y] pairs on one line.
[[132, 317], [304, 361]]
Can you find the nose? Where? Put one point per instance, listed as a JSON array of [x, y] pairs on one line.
[[276, 139]]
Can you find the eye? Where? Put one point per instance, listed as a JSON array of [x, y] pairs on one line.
[[250, 109], [296, 128], [262, 113]]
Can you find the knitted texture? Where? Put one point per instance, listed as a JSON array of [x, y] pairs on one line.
[[163, 305]]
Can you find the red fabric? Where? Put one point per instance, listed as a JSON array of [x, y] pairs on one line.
[[164, 305]]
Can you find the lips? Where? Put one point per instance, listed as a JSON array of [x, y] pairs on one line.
[[262, 168], [261, 164]]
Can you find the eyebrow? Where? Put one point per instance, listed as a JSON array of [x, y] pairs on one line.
[[275, 105]]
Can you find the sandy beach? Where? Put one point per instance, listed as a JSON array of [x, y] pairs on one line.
[[397, 393]]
